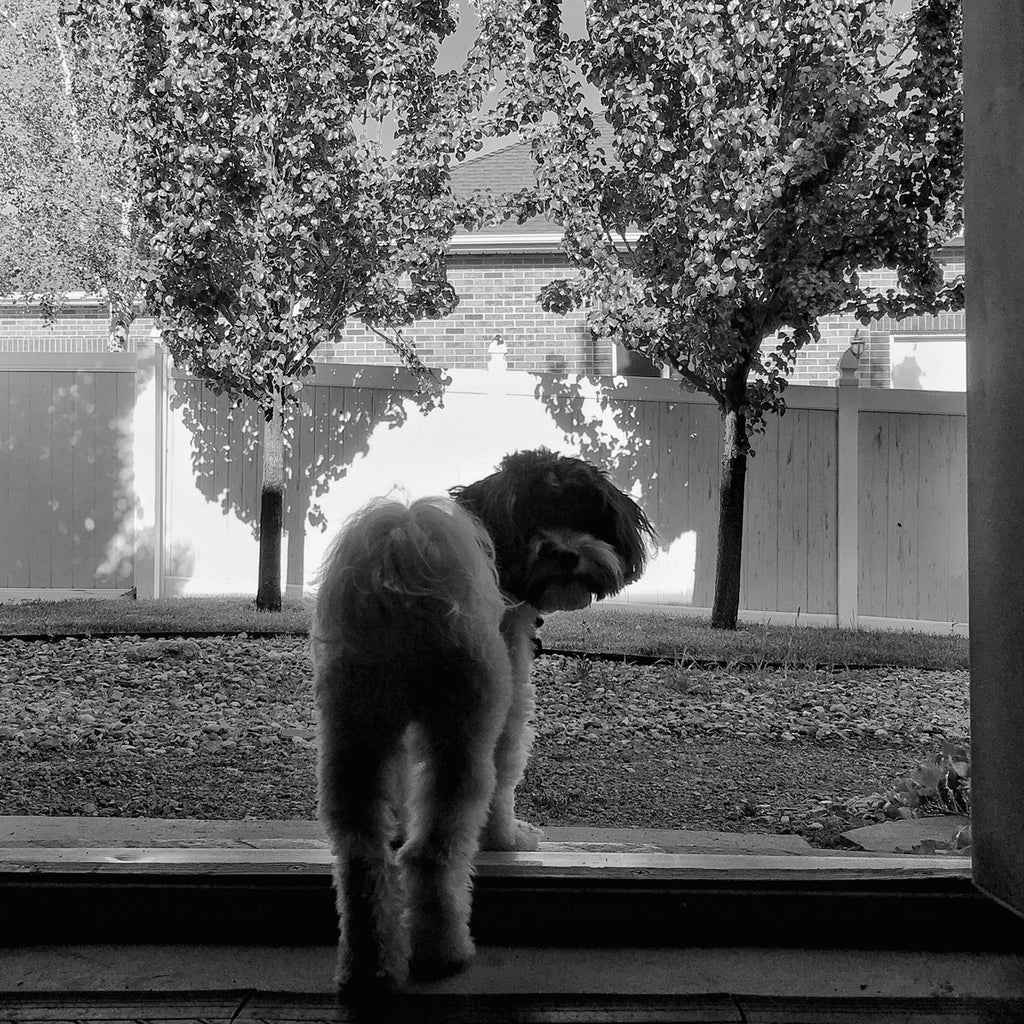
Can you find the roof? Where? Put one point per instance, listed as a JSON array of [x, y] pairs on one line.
[[511, 167], [505, 169]]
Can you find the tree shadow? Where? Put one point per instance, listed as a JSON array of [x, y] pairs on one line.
[[666, 454], [325, 433]]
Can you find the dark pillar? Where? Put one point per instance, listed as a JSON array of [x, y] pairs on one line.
[[994, 118]]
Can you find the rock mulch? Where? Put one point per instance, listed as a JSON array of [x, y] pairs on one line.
[[223, 728]]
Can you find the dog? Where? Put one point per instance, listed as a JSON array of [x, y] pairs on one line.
[[422, 643]]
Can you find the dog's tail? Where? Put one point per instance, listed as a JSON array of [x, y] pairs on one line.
[[399, 575]]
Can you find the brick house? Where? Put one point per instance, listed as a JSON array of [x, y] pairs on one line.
[[498, 274]]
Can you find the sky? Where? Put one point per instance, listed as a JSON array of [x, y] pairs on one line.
[[454, 48], [573, 22]]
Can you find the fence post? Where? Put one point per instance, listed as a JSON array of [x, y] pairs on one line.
[[148, 464], [847, 518]]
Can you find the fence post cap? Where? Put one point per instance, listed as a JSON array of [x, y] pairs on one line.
[[849, 363], [497, 353]]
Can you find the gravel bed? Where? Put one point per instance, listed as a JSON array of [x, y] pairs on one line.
[[223, 728]]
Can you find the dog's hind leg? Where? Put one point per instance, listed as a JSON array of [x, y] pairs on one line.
[[359, 768], [447, 817]]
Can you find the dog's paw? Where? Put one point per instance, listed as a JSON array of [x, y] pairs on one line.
[[434, 966], [367, 976], [369, 989], [441, 954], [519, 836]]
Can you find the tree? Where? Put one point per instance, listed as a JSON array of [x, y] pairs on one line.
[[279, 206], [69, 218], [766, 153]]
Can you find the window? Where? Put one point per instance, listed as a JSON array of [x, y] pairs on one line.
[[628, 363], [928, 362]]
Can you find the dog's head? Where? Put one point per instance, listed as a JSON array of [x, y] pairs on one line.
[[563, 533]]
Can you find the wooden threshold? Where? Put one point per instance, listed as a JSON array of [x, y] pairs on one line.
[[548, 862], [709, 1009], [242, 1008], [554, 898]]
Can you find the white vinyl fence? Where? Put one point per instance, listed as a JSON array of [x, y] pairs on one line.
[[120, 471]]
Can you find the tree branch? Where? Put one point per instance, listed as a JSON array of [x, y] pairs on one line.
[[419, 369], [69, 92]]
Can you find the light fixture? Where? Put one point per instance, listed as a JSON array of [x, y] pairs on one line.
[[857, 344]]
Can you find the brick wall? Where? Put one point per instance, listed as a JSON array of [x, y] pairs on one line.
[[78, 328], [817, 363], [498, 296]]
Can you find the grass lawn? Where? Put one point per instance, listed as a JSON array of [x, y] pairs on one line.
[[166, 615], [611, 628]]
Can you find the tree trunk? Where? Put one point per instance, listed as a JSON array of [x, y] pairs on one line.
[[730, 522], [268, 595], [119, 320]]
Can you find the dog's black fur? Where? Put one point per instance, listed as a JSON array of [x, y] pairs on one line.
[[537, 497]]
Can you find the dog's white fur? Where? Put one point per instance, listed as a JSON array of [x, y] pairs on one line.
[[413, 687], [425, 706]]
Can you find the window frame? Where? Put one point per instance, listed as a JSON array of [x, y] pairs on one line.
[[666, 370]]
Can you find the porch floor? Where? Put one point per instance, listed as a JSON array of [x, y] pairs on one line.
[[735, 980], [153, 984]]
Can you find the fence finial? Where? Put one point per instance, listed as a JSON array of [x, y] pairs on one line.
[[849, 362], [498, 355]]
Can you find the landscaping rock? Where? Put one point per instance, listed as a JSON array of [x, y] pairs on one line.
[[907, 836], [155, 650], [217, 728]]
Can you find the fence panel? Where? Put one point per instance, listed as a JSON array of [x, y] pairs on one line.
[[66, 479], [66, 505], [822, 512], [913, 516], [212, 489], [790, 519], [761, 565]]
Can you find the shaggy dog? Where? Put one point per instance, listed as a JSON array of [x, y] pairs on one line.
[[423, 638]]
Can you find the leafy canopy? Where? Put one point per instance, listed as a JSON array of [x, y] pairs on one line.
[[295, 175], [68, 217], [758, 156]]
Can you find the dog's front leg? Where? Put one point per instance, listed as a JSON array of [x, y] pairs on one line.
[[504, 831]]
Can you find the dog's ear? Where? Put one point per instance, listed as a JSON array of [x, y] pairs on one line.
[[492, 500], [632, 529], [502, 502]]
